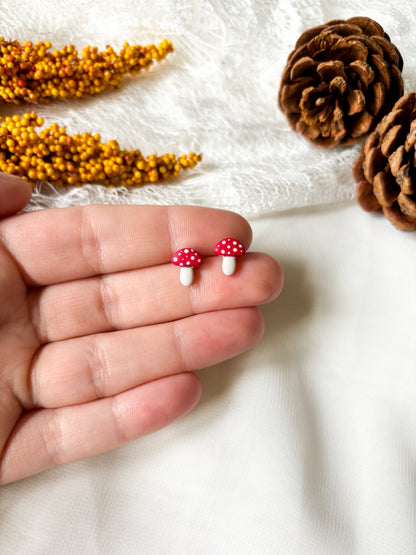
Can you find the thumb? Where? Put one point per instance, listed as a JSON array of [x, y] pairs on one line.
[[15, 193]]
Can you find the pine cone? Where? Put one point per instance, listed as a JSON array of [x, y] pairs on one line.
[[385, 169], [340, 80]]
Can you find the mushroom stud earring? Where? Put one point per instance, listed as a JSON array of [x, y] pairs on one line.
[[229, 249], [187, 260]]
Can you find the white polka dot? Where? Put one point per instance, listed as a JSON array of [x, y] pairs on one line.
[[188, 263], [175, 259], [181, 264], [223, 251], [186, 250], [234, 242], [235, 249], [223, 242], [192, 257]]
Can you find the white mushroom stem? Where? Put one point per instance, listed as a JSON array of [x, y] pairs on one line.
[[186, 275], [228, 265]]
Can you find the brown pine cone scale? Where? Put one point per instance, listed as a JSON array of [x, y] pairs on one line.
[[340, 80], [385, 170]]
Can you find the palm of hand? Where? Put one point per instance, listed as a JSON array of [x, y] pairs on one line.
[[18, 345], [98, 340]]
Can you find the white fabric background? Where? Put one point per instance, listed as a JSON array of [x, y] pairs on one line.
[[306, 444]]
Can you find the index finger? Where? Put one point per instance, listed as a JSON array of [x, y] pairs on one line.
[[63, 244]]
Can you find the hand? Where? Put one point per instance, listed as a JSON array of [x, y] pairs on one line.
[[99, 341]]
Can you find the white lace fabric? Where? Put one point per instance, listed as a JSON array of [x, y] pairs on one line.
[[216, 94]]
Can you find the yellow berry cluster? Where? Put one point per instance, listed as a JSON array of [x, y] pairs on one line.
[[61, 159], [33, 73]]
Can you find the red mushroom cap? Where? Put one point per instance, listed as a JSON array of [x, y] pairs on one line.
[[229, 247], [186, 257]]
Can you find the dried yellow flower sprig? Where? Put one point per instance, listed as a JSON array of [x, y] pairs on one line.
[[33, 73], [61, 159]]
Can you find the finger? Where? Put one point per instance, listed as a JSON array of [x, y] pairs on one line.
[[15, 193], [59, 245], [149, 296], [51, 437], [83, 369]]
